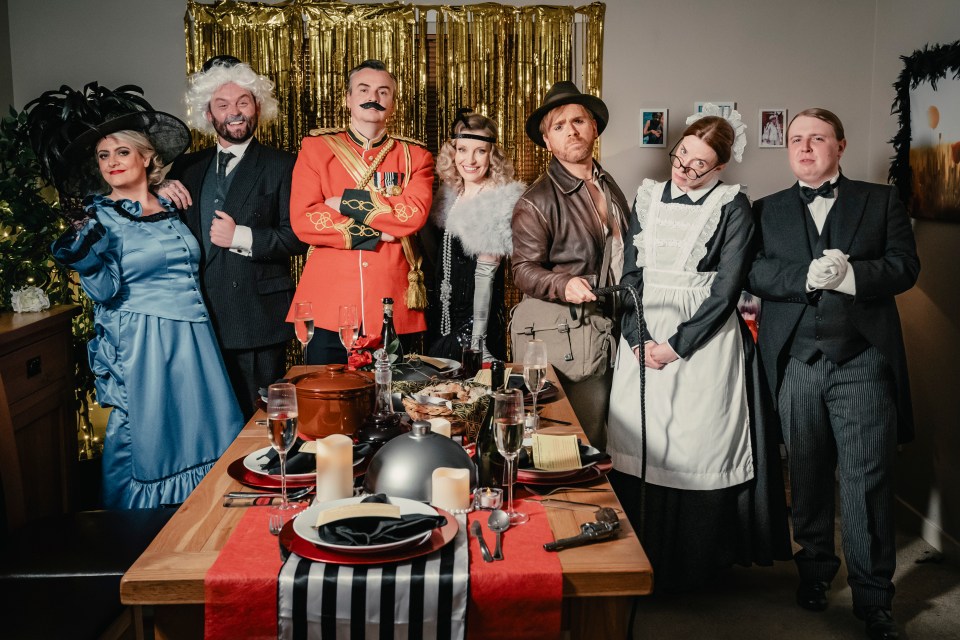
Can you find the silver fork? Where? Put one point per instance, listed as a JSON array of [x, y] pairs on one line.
[[291, 495], [275, 524]]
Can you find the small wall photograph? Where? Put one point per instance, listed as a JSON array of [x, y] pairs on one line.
[[773, 127], [653, 128]]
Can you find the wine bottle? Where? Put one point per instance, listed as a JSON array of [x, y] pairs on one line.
[[490, 464], [388, 334]]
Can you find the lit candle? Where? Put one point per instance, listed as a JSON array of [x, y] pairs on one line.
[[451, 489], [440, 425], [334, 467], [489, 498]]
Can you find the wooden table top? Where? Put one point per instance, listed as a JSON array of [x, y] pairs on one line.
[[172, 569]]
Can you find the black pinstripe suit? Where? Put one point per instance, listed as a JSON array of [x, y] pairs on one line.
[[840, 415], [248, 297]]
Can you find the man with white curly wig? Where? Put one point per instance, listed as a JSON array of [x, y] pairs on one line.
[[235, 197]]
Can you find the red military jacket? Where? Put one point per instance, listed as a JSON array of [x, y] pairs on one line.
[[348, 262]]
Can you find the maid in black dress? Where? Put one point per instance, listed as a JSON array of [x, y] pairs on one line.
[[473, 209]]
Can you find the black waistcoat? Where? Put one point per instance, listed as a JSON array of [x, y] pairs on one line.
[[824, 327]]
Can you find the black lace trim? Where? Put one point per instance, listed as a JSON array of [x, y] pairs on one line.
[[93, 201]]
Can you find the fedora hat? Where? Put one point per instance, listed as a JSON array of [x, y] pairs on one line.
[[560, 94]]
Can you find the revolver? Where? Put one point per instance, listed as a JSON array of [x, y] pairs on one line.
[[605, 527]]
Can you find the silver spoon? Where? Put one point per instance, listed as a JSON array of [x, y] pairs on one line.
[[498, 522]]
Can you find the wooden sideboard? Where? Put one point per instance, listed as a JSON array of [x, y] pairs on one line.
[[36, 370]]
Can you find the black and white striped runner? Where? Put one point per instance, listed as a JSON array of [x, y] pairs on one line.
[[423, 598]]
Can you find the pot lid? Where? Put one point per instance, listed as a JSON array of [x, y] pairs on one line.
[[332, 379]]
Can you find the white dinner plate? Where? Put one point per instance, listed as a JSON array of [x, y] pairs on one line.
[[303, 525], [257, 461]]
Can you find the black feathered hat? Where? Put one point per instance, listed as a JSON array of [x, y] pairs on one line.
[[65, 126]]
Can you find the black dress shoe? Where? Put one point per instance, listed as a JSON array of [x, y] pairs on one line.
[[812, 595], [879, 623]]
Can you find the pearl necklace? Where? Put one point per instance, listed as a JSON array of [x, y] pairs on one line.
[[446, 287]]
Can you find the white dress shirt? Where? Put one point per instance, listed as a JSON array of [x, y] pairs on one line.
[[819, 209], [242, 242]]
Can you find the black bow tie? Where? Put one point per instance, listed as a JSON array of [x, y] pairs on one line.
[[808, 195]]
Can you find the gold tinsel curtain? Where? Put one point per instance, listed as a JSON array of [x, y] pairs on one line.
[[499, 59]]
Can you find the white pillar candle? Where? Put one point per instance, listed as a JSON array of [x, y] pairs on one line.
[[440, 425], [451, 489], [334, 467]]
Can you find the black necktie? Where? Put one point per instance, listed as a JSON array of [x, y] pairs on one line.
[[223, 159], [808, 195]]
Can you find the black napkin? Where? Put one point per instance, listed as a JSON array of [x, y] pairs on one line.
[[298, 462], [361, 532], [588, 455]]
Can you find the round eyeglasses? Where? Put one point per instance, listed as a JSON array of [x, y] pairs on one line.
[[690, 172]]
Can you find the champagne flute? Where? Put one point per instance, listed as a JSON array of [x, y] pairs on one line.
[[282, 425], [535, 375], [303, 326], [348, 325], [508, 431]]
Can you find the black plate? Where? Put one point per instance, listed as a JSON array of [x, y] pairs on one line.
[[547, 394]]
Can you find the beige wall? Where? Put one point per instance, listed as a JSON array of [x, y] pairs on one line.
[[6, 76], [760, 53], [929, 475]]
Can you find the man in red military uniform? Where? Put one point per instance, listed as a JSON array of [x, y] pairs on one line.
[[356, 194]]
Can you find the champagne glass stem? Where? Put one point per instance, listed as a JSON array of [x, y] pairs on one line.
[[283, 480], [534, 395], [510, 485]]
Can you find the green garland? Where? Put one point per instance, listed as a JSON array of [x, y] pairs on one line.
[[29, 222], [929, 64]]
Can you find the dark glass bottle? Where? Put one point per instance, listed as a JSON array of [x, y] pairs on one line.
[[384, 423], [490, 464], [388, 334]]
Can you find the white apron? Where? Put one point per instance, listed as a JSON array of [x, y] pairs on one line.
[[698, 433]]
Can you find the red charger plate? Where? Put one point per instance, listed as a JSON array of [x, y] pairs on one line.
[[588, 474], [306, 549], [239, 472]]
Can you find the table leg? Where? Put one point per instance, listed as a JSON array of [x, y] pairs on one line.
[[592, 618], [178, 622]]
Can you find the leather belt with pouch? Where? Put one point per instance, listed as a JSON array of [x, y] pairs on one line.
[[580, 338]]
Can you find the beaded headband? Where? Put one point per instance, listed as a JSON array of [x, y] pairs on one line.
[[462, 113]]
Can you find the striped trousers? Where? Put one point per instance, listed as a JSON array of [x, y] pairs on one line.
[[842, 419]]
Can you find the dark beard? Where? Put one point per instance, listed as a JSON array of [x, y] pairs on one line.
[[220, 127]]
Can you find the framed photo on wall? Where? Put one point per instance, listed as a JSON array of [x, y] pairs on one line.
[[726, 106], [653, 127], [773, 127], [926, 167]]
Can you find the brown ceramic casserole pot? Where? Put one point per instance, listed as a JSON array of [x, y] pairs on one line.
[[333, 400]]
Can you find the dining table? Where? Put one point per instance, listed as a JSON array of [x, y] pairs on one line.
[[599, 580]]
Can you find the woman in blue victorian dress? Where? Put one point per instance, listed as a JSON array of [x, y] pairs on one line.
[[155, 357]]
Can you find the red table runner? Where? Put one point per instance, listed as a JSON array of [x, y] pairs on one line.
[[519, 597], [240, 589]]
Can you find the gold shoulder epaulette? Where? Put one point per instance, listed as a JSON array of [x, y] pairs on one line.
[[326, 131], [406, 139]]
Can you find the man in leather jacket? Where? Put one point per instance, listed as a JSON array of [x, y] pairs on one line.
[[568, 234]]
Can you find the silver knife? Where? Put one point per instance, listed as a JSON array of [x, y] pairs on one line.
[[478, 534]]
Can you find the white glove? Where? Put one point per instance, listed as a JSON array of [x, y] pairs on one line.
[[827, 272], [838, 267], [482, 294]]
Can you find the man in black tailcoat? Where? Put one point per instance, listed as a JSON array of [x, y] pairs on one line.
[[235, 197], [834, 254]]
